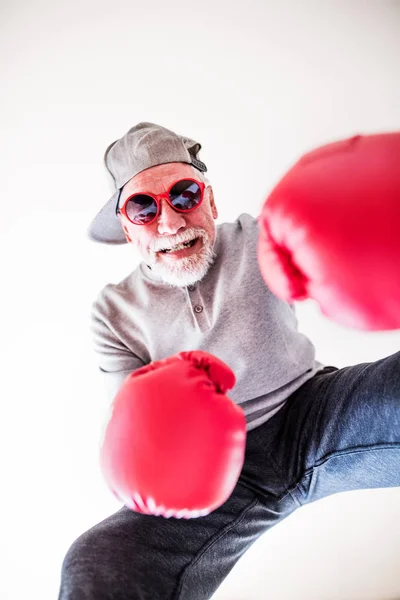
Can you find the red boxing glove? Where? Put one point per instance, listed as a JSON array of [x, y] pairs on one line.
[[330, 230], [175, 443]]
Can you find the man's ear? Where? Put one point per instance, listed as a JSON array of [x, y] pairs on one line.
[[212, 203]]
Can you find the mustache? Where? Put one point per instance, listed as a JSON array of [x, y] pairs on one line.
[[180, 238]]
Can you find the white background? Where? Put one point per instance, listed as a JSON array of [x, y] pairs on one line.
[[258, 83]]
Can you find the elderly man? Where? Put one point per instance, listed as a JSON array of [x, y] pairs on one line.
[[311, 430]]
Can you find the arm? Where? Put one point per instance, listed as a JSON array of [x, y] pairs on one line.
[[114, 359]]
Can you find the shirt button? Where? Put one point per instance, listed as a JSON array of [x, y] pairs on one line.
[[198, 309], [191, 288]]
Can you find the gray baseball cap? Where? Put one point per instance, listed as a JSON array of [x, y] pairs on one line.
[[145, 145]]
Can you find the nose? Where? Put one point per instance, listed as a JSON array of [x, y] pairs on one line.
[[169, 220]]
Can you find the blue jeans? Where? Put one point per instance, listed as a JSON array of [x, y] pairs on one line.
[[339, 431]]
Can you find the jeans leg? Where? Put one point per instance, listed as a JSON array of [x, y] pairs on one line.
[[130, 556], [340, 431]]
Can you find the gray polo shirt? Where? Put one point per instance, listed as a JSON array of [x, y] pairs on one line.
[[231, 313]]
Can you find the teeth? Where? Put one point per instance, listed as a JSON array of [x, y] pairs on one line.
[[179, 246]]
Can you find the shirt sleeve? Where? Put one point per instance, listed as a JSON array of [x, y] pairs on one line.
[[114, 359]]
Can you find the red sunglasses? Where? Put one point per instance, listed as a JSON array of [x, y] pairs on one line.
[[143, 208]]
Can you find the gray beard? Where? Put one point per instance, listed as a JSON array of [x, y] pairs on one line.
[[188, 270]]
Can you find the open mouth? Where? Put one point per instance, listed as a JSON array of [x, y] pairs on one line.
[[189, 244]]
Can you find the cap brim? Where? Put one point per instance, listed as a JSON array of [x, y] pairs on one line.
[[106, 227]]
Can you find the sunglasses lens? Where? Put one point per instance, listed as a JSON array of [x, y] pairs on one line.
[[141, 209], [185, 195]]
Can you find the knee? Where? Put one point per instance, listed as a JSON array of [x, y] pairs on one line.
[[79, 570]]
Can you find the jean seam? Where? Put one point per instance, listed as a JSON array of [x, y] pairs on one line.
[[211, 542], [288, 491], [355, 450], [328, 457]]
